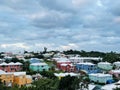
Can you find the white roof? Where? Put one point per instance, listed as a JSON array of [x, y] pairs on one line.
[[86, 63], [93, 58], [116, 63], [19, 73], [75, 58], [67, 64], [115, 71], [11, 63], [65, 74], [38, 64], [109, 86], [3, 64], [29, 76], [18, 63], [63, 59], [104, 63], [100, 75]]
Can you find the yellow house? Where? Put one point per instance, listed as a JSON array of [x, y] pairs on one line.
[[28, 79], [6, 78], [19, 78]]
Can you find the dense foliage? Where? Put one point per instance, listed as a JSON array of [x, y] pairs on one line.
[[69, 83], [110, 57]]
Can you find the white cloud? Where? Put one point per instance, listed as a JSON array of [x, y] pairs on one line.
[[69, 46], [14, 45]]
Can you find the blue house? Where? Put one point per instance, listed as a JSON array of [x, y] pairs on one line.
[[87, 67]]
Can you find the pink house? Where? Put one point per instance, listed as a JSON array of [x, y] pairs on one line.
[[62, 62], [116, 73], [11, 67], [68, 67]]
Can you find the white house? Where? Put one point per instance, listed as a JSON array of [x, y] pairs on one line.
[[101, 78], [105, 65], [117, 64]]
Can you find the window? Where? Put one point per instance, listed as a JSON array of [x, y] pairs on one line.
[[42, 66]]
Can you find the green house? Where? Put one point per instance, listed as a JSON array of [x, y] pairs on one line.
[[39, 67]]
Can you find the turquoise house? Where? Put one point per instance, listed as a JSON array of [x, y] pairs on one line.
[[105, 66], [39, 67], [101, 78]]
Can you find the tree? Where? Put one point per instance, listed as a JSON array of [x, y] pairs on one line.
[[46, 84], [116, 88], [69, 83], [111, 57], [48, 74]]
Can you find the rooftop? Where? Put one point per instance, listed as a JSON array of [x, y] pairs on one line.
[[86, 63], [100, 75], [38, 64]]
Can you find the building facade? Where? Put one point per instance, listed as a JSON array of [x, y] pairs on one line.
[[68, 67], [13, 78], [11, 67], [105, 65], [87, 67], [101, 78], [39, 67]]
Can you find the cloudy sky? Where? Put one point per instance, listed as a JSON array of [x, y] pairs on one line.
[[60, 25]]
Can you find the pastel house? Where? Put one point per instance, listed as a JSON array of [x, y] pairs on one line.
[[68, 67], [6, 78], [101, 78], [117, 64], [116, 73], [12, 78], [62, 61], [20, 78], [105, 65], [87, 67], [11, 67], [39, 67]]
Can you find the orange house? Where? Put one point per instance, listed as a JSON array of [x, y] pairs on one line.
[[19, 78], [6, 78]]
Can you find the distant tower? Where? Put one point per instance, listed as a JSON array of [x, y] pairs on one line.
[[45, 50]]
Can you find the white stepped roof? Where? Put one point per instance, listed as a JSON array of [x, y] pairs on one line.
[[38, 64], [65, 74], [104, 63], [19, 73], [117, 63], [11, 63], [86, 63], [67, 64], [100, 75], [18, 63], [3, 64]]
